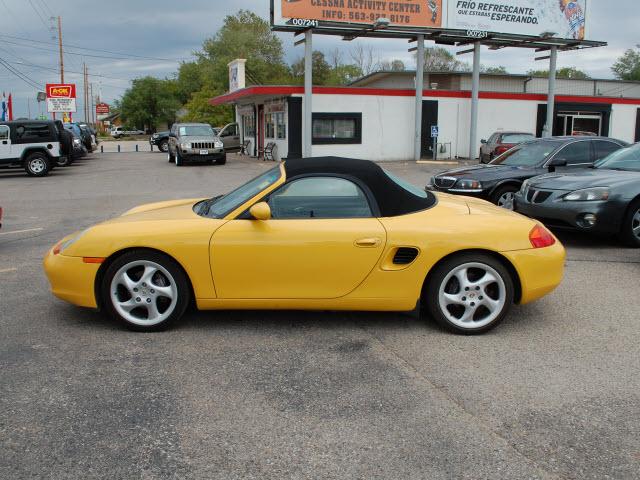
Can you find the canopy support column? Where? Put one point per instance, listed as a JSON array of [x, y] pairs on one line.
[[308, 93], [551, 99], [417, 148], [475, 95]]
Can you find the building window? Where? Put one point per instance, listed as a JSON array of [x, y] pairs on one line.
[[248, 126], [269, 125], [281, 126], [337, 128]]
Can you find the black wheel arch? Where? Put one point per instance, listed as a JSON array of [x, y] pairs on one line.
[[31, 150], [517, 285], [505, 183], [114, 256]]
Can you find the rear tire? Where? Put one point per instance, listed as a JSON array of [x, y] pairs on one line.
[[163, 146], [504, 196], [145, 291], [630, 232], [469, 294], [37, 164]]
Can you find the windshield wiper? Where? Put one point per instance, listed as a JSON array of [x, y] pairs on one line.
[[206, 204]]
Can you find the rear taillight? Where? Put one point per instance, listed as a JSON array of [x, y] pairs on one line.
[[500, 149], [540, 237]]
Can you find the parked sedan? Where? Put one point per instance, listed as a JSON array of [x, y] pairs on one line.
[[604, 199], [315, 233], [502, 178], [500, 142]]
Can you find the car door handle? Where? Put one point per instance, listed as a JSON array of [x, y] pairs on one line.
[[367, 242]]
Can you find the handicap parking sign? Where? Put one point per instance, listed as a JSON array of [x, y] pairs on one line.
[[434, 131]]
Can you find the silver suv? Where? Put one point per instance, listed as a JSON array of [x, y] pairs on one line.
[[195, 142]]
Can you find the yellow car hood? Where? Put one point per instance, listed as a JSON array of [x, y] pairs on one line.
[[169, 210]]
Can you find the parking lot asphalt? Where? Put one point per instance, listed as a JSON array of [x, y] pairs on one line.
[[554, 392]]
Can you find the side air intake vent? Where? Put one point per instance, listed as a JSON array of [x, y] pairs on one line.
[[405, 255]]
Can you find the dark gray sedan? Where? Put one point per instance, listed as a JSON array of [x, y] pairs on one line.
[[603, 199]]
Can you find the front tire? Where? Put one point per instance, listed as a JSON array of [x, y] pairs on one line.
[[630, 232], [146, 291], [178, 159], [164, 146], [469, 293], [222, 160], [504, 196], [37, 165]]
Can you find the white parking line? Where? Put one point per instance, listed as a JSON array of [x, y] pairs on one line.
[[7, 270], [22, 231]]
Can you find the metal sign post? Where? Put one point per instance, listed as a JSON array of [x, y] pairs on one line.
[[435, 131], [308, 92]]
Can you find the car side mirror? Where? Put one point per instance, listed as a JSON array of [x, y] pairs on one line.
[[260, 211], [558, 162], [483, 141]]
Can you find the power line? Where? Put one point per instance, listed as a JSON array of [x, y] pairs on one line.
[[123, 56], [39, 15], [20, 75]]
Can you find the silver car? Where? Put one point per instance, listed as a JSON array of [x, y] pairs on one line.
[[190, 142]]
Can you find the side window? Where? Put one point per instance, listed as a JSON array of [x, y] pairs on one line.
[[36, 132], [320, 197], [4, 132], [493, 139], [576, 153], [604, 148]]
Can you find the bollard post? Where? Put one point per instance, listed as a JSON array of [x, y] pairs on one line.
[[151, 144], [136, 147], [118, 148], [101, 148]]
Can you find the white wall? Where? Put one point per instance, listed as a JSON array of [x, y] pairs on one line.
[[387, 126], [623, 122]]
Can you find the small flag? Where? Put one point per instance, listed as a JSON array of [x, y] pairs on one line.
[[10, 107]]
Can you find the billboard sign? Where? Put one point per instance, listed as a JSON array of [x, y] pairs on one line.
[[61, 97], [312, 13], [102, 109], [563, 18]]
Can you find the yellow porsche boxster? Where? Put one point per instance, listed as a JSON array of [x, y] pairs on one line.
[[318, 233]]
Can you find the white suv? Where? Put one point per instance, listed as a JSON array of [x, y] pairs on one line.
[[31, 144]]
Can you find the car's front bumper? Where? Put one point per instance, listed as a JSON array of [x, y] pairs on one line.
[[71, 279], [555, 212], [197, 156]]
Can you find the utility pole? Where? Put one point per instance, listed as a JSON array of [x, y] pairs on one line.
[[93, 110], [60, 47], [84, 80]]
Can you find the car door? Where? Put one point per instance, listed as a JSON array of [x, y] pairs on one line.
[[230, 136], [576, 154], [321, 242], [603, 148], [172, 140], [5, 143]]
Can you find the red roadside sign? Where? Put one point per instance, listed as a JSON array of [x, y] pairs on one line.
[[102, 109]]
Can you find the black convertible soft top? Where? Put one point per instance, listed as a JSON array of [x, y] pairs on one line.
[[391, 197]]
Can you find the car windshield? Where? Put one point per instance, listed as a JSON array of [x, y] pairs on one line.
[[418, 192], [195, 131], [623, 159], [528, 154], [516, 137], [218, 207]]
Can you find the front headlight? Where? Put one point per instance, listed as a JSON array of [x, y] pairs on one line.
[[468, 184], [63, 245], [76, 141], [588, 195], [185, 146], [218, 144]]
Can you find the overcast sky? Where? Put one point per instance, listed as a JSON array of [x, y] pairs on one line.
[[167, 32]]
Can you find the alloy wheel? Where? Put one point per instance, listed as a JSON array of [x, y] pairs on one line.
[[635, 224], [144, 293], [472, 295], [506, 200], [37, 165]]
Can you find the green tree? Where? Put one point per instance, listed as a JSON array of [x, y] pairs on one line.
[[320, 68], [244, 35], [627, 67], [392, 66], [495, 70], [439, 59], [200, 110], [566, 72], [149, 102]]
